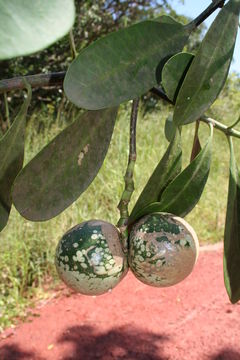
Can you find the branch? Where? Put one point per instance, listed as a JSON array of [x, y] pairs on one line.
[[219, 126], [128, 178], [36, 81], [56, 79], [206, 13]]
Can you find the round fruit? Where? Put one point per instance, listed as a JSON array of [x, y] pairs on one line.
[[89, 258], [163, 249]]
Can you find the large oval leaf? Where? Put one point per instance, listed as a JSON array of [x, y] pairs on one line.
[[167, 169], [208, 71], [232, 233], [29, 26], [11, 155], [174, 72], [123, 65], [183, 193], [58, 175]]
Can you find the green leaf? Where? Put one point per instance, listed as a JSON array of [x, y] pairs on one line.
[[169, 128], [209, 69], [29, 26], [167, 169], [231, 260], [11, 155], [64, 169], [183, 193], [174, 72], [123, 65], [196, 143]]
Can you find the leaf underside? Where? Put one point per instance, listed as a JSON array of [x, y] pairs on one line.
[[29, 26], [209, 69], [64, 169], [231, 260], [11, 155], [123, 65]]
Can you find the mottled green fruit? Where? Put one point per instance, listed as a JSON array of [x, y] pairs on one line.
[[163, 249], [89, 258]]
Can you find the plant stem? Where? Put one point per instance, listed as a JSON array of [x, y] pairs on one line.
[[206, 13], [72, 45], [7, 110], [128, 178], [219, 126]]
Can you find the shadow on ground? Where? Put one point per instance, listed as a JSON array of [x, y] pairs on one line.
[[14, 352], [123, 343], [226, 354]]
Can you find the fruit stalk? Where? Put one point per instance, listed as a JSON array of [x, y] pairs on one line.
[[128, 178]]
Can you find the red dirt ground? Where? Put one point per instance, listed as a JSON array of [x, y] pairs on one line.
[[192, 320]]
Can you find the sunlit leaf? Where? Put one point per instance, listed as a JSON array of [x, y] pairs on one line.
[[29, 26], [209, 69], [174, 72], [11, 156], [123, 65], [167, 169], [64, 169], [232, 233], [183, 193]]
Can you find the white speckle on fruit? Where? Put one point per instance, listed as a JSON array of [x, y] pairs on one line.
[[94, 236], [100, 270], [96, 258], [183, 242]]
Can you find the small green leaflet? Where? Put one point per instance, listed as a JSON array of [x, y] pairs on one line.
[[11, 155], [169, 128], [209, 69], [29, 26], [196, 143], [123, 65], [231, 260], [167, 169], [183, 193], [64, 169], [174, 72]]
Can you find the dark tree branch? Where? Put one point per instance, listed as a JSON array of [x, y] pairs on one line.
[[36, 81], [206, 13]]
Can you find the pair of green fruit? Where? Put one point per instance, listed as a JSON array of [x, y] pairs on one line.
[[163, 249]]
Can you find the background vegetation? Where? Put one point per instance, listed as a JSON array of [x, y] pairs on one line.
[[27, 249]]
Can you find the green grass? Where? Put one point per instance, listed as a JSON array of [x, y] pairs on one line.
[[27, 248]]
